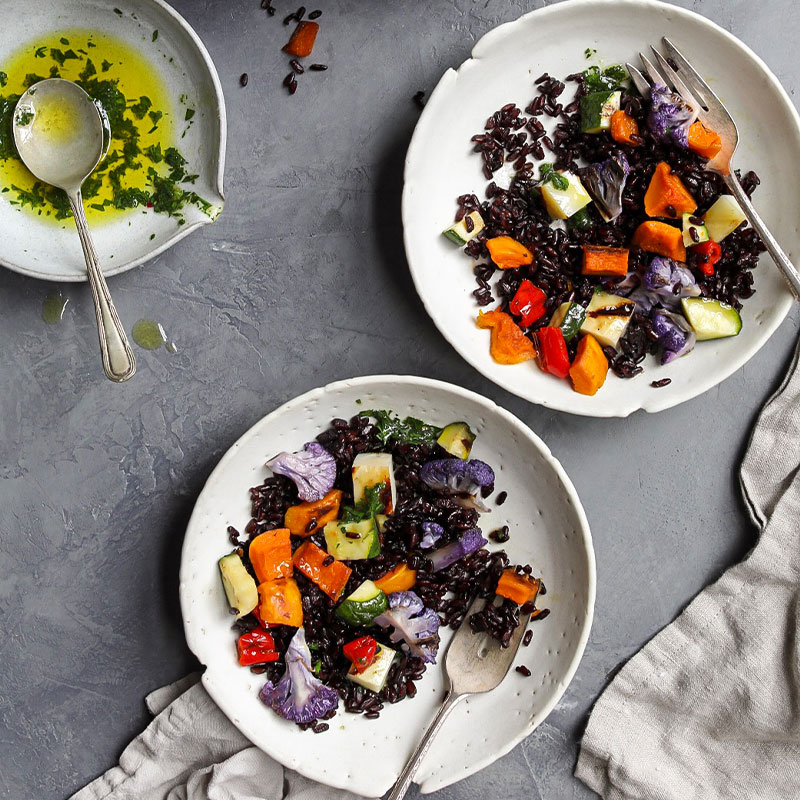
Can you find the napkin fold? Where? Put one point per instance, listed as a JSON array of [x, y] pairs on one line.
[[190, 751], [710, 708]]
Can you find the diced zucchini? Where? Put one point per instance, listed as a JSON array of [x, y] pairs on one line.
[[240, 586], [459, 234], [362, 542], [370, 469], [701, 231], [597, 108], [569, 317], [363, 605], [380, 521], [710, 318], [607, 318], [581, 220], [457, 439], [563, 203], [724, 217], [375, 675]]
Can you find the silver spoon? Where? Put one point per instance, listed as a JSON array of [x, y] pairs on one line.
[[61, 136]]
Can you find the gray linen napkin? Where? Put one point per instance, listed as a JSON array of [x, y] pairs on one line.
[[710, 708], [190, 751]]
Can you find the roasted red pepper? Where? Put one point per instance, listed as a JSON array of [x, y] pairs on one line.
[[301, 42], [361, 652], [709, 253], [256, 647], [551, 349], [528, 303]]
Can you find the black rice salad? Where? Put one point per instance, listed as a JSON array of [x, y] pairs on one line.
[[619, 244], [360, 547]]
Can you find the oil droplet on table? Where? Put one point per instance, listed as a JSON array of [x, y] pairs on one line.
[[149, 334], [53, 307]]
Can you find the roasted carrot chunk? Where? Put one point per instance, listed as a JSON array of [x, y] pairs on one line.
[[400, 579], [704, 141], [301, 42], [331, 578], [590, 367], [661, 238], [507, 253], [519, 588], [281, 603], [508, 344], [307, 518], [270, 554], [624, 128], [599, 260], [666, 196]]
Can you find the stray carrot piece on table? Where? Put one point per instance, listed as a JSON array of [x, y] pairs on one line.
[[507, 253], [624, 128], [281, 603], [520, 589], [704, 141], [301, 42], [666, 196], [331, 578], [590, 367], [270, 553], [661, 238], [307, 518], [600, 260], [508, 344], [400, 579]]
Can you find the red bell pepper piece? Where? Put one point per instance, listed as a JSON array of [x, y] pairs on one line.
[[301, 42], [361, 652], [551, 348], [709, 252], [256, 647], [528, 303]]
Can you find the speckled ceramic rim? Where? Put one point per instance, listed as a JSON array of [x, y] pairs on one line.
[[662, 399], [316, 396], [183, 230]]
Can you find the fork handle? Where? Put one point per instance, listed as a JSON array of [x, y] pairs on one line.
[[773, 248], [404, 779]]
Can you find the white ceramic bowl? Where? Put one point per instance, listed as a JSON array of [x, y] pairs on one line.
[[441, 165], [548, 530], [42, 249]]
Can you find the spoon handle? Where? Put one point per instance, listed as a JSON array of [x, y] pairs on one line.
[[118, 361]]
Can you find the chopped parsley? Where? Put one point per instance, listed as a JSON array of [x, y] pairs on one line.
[[603, 80], [368, 507], [410, 430], [549, 175]]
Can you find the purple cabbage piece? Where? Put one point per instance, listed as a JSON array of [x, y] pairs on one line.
[[431, 533], [469, 542], [416, 626], [663, 276], [299, 696], [670, 116], [675, 335], [605, 182], [463, 478], [313, 470]]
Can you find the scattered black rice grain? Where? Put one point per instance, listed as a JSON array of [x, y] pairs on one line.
[[290, 18], [662, 382], [320, 727], [523, 670], [288, 79], [419, 98], [500, 535], [300, 13], [243, 79], [501, 498], [526, 639], [318, 67], [297, 66], [315, 14], [328, 560]]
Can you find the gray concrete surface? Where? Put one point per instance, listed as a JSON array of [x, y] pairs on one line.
[[302, 281]]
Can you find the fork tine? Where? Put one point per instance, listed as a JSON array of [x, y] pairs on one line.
[[682, 89], [639, 81], [691, 76], [651, 72]]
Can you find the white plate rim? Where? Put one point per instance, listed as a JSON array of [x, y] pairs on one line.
[[490, 406], [183, 230], [656, 401]]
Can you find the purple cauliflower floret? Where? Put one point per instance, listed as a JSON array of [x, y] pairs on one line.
[[416, 626], [299, 696], [675, 335], [668, 281], [470, 541], [431, 533], [463, 478], [605, 182], [313, 470], [670, 116]]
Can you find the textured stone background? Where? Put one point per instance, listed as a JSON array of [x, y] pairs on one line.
[[302, 281]]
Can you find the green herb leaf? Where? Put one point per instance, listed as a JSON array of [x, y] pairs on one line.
[[155, 35], [155, 117], [41, 52], [59, 56], [608, 79], [189, 114], [548, 174], [410, 430], [368, 507], [106, 65], [3, 78]]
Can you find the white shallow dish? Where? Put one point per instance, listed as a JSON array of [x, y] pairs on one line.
[[548, 530], [42, 249], [440, 165]]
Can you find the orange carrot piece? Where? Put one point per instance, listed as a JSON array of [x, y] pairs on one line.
[[281, 603], [590, 367], [520, 589], [624, 129], [704, 141], [508, 344], [270, 553], [310, 560], [399, 579], [666, 196], [661, 238], [600, 260], [301, 42], [507, 253], [307, 518]]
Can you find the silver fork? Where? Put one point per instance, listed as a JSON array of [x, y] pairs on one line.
[[474, 663], [687, 82]]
